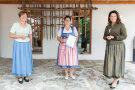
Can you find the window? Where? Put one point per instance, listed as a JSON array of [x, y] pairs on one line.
[[83, 25], [37, 35]]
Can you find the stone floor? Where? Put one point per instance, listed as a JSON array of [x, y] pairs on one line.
[[47, 76]]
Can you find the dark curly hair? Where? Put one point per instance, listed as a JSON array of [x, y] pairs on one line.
[[67, 17]]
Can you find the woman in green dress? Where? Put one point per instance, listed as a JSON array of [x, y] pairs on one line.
[[114, 63]]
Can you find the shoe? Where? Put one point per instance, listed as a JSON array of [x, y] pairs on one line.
[[84, 50], [26, 79], [20, 81], [73, 77], [111, 87], [111, 83], [66, 77]]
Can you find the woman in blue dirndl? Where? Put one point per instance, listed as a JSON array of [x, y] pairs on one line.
[[22, 62]]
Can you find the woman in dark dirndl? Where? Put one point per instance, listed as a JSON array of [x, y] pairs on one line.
[[114, 63]]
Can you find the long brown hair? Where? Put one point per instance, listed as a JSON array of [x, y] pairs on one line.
[[118, 21]]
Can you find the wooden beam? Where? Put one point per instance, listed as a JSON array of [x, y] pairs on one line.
[[90, 41], [10, 2], [70, 2], [113, 2], [54, 9]]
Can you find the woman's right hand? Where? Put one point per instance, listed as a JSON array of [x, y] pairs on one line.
[[63, 40], [23, 37], [108, 38]]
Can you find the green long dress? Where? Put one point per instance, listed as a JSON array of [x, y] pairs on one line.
[[114, 61]]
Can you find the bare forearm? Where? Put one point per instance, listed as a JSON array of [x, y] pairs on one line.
[[14, 36], [30, 36], [59, 38], [76, 39]]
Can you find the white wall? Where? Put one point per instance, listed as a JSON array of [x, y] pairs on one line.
[[8, 15]]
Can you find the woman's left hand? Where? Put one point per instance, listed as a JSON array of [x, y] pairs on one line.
[[32, 48], [112, 37], [74, 45], [64, 40]]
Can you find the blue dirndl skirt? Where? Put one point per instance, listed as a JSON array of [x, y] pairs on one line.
[[22, 63]]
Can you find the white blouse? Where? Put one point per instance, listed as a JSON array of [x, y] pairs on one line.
[[67, 31], [17, 29]]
